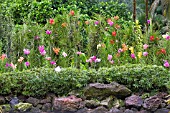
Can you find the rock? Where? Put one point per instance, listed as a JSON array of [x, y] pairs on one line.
[[92, 103], [122, 109], [162, 110], [129, 111], [47, 107], [23, 107], [39, 106], [83, 110], [118, 103], [101, 91], [47, 100], [35, 110], [108, 102], [100, 109], [14, 101], [6, 107], [143, 111], [33, 101], [134, 109], [115, 110], [134, 101], [22, 98], [1, 110], [163, 105], [69, 104], [168, 107], [152, 103], [2, 100], [9, 97], [162, 95]]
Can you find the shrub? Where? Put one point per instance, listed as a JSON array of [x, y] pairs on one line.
[[137, 76], [40, 81]]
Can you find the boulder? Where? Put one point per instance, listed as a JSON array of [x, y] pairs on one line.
[[129, 111], [2, 100], [47, 100], [100, 109], [117, 103], [134, 109], [33, 101], [108, 102], [22, 107], [83, 110], [35, 110], [101, 91], [115, 110], [47, 107], [39, 106], [152, 103], [143, 111], [1, 110], [162, 110], [168, 107], [14, 101], [162, 95], [92, 103], [22, 98], [67, 104], [5, 107], [134, 101]]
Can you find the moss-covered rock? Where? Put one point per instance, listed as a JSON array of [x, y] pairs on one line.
[[118, 103], [1, 110], [23, 106], [5, 107], [102, 91]]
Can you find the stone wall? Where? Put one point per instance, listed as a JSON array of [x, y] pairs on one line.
[[97, 98]]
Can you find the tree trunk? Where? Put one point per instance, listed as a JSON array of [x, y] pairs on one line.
[[134, 10], [153, 7], [168, 10], [165, 8], [146, 12]]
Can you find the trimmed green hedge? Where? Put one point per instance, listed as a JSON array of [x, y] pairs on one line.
[[38, 82]]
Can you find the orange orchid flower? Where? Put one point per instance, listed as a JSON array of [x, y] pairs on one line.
[[87, 22], [117, 26], [124, 47], [112, 42], [56, 50], [64, 24], [3, 56], [117, 54], [116, 17]]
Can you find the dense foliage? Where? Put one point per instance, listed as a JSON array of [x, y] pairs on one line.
[[41, 81], [41, 10]]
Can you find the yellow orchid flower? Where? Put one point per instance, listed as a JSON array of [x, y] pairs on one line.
[[131, 49], [139, 54]]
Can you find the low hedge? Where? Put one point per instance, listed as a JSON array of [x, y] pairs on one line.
[[38, 82]]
